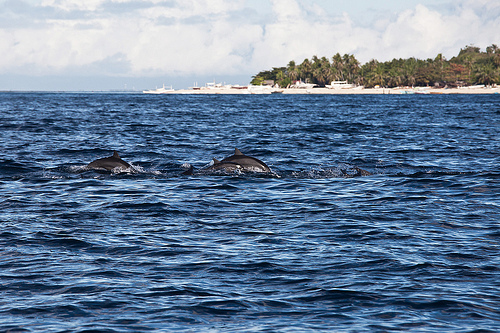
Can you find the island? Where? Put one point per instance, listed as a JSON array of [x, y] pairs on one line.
[[472, 71]]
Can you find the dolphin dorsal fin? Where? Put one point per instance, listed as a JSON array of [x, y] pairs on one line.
[[115, 154], [216, 161], [237, 152], [189, 172]]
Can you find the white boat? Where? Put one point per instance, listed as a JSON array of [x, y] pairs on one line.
[[417, 90], [195, 87], [422, 90], [340, 85], [237, 86], [213, 85], [259, 90], [161, 90], [302, 85]]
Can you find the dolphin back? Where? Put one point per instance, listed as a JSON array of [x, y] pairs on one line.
[[247, 163], [109, 163], [237, 162]]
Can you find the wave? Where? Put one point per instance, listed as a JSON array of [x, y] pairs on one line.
[[12, 170]]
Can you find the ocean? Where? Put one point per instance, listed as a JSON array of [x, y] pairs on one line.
[[311, 247]]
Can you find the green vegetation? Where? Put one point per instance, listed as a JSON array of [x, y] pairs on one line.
[[469, 67]]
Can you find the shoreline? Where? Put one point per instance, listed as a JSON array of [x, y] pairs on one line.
[[290, 91], [327, 91]]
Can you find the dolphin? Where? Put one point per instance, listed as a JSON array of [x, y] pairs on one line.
[[238, 161], [109, 163], [247, 163], [358, 172], [225, 166], [361, 172]]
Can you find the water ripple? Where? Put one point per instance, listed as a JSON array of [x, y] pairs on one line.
[[412, 247]]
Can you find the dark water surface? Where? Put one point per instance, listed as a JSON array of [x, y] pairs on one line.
[[415, 246]]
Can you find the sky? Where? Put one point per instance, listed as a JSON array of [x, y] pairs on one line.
[[143, 44]]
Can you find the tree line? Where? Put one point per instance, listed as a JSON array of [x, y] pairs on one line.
[[471, 66]]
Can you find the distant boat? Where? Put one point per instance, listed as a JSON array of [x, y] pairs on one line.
[[195, 87], [301, 85], [259, 90], [422, 91], [161, 90], [418, 91], [216, 86], [213, 85], [340, 85], [237, 86]]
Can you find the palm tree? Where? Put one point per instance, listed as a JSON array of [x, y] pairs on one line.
[[492, 49], [352, 67], [410, 71], [440, 65], [326, 68], [469, 61], [292, 70], [379, 76], [338, 65], [487, 75], [305, 70]]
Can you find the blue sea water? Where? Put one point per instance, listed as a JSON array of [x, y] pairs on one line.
[[413, 247]]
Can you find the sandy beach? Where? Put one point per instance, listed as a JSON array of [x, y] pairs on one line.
[[326, 91]]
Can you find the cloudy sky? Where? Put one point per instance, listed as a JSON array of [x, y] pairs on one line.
[[138, 44]]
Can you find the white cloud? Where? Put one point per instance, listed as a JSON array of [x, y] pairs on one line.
[[71, 5], [423, 33], [184, 37]]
